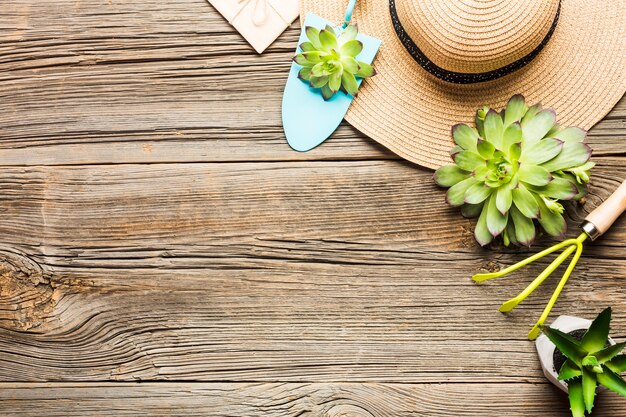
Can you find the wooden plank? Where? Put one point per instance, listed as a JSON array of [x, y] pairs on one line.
[[88, 82], [308, 271], [305, 400], [296, 323], [366, 201]]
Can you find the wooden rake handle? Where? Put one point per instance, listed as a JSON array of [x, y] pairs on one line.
[[606, 214]]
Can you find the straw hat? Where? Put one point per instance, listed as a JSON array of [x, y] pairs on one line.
[[569, 55]]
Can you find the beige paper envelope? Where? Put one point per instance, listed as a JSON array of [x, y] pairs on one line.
[[260, 22]]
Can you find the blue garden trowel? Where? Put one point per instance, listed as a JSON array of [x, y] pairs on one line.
[[308, 120]]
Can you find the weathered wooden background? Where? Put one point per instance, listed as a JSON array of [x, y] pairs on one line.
[[164, 252]]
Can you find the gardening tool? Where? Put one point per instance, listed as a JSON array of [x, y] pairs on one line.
[[594, 226], [308, 119]]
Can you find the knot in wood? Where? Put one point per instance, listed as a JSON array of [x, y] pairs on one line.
[[26, 296], [347, 410]]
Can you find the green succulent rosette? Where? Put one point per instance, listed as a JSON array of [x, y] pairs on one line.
[[590, 362], [513, 169], [329, 61]]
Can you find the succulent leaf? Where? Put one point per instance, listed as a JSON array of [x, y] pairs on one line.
[[327, 93], [456, 193], [572, 155], [566, 344], [365, 70], [465, 137], [494, 128], [496, 221], [448, 175], [524, 227], [530, 114], [515, 152], [569, 370], [525, 202], [319, 69], [534, 174], [504, 199], [589, 388], [313, 56], [542, 151], [592, 361], [477, 193], [481, 232], [571, 135], [350, 65], [301, 60], [612, 381], [515, 110], [334, 81], [596, 336], [471, 210], [485, 149], [318, 82], [553, 205], [580, 187], [326, 55], [582, 172], [505, 235], [576, 399], [348, 81], [522, 164], [559, 188], [608, 353], [617, 364], [468, 160], [351, 48], [454, 151], [304, 73], [328, 39], [512, 134], [314, 37], [307, 46], [479, 120], [552, 222], [556, 128], [508, 236], [536, 128]]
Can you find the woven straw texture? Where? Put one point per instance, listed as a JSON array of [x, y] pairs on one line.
[[581, 72]]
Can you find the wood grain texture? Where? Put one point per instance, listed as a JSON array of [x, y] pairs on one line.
[[156, 227], [316, 271], [303, 400]]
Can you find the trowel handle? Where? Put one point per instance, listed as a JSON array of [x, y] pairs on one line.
[[605, 215]]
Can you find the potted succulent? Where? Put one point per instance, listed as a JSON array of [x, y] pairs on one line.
[[586, 358]]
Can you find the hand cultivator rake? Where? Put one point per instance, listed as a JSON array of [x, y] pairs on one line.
[[595, 225]]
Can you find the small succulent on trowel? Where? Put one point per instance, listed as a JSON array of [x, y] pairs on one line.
[[329, 62], [590, 361], [513, 168]]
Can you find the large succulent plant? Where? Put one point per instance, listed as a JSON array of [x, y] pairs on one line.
[[589, 363], [329, 62], [513, 169]]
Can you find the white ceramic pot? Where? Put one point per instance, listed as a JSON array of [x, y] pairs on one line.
[[545, 348]]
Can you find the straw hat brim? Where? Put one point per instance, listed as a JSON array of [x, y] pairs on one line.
[[580, 73]]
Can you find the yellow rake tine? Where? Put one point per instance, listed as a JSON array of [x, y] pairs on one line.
[[534, 332], [492, 275], [513, 302]]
